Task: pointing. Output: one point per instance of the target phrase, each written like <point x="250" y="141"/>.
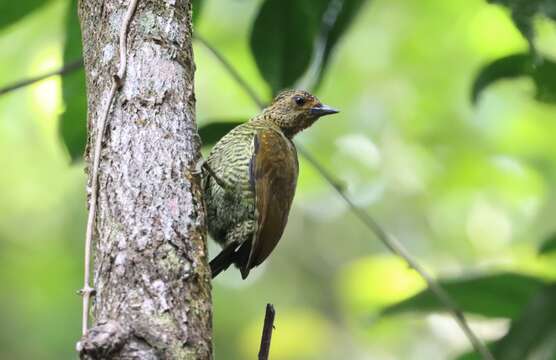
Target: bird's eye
<point x="299" y="100"/>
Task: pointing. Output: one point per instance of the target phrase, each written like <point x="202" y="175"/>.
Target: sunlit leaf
<point x="495" y="295"/>
<point x="73" y="122"/>
<point x="10" y="12"/>
<point x="376" y="294"/>
<point x="524" y="11"/>
<point x="214" y="131"/>
<point x="541" y="70"/>
<point x="548" y="245"/>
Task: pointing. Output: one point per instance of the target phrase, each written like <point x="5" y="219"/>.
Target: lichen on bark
<point x="151" y="276"/>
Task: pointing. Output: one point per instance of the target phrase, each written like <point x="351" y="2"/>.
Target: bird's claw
<point x="199" y="167"/>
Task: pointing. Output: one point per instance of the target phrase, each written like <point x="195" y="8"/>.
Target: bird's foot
<point x="199" y="166"/>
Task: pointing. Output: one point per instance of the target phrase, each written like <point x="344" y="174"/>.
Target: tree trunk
<point x="151" y="275"/>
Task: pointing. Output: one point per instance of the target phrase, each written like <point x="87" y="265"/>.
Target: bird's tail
<point x="223" y="260"/>
<point x="233" y="253"/>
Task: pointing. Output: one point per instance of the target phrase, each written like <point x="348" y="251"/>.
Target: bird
<point x="250" y="177"/>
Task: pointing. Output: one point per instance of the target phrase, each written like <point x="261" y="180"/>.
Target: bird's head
<point x="295" y="110"/>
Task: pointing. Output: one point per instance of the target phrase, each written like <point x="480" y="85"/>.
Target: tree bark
<point x="151" y="275"/>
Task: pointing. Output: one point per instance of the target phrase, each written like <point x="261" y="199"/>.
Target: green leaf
<point x="472" y="355"/>
<point x="532" y="336"/>
<point x="541" y="70"/>
<point x="73" y="122"/>
<point x="197" y="6"/>
<point x="13" y="11"/>
<point x="288" y="33"/>
<point x="544" y="76"/>
<point x="524" y="11"/>
<point x="508" y="67"/>
<point x="214" y="131"/>
<point x="493" y="295"/>
<point x="282" y="40"/>
<point x="336" y="20"/>
<point x="549" y="245"/>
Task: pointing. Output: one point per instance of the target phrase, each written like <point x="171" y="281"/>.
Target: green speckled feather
<point x="256" y="169"/>
<point x="233" y="216"/>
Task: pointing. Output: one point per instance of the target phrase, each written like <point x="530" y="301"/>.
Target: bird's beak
<point x="321" y="110"/>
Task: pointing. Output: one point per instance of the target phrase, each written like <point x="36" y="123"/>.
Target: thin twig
<point x="116" y="84"/>
<point x="67" y="68"/>
<point x="231" y="70"/>
<point x="396" y="247"/>
<point x="267" y="332"/>
<point x="389" y="241"/>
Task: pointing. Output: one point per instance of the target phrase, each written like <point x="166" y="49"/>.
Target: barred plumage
<point x="251" y="180"/>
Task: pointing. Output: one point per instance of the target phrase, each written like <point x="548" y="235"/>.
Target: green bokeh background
<point x="467" y="189"/>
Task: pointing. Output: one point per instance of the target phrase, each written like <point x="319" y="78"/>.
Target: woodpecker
<point x="250" y="180"/>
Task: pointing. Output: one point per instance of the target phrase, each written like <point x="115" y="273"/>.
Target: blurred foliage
<point x="524" y="11"/>
<point x="307" y="28"/>
<point x="541" y="71"/>
<point x="282" y="40"/>
<point x="11" y="13"/>
<point x="492" y="295"/>
<point x="549" y="245"/>
<point x="363" y="290"/>
<point x="531" y="336"/>
<point x="73" y="121"/>
<point x="197" y="7"/>
<point x="467" y="186"/>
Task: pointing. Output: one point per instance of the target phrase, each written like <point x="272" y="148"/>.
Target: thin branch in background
<point x="397" y="248"/>
<point x="116" y="84"/>
<point x="389" y="241"/>
<point x="267" y="332"/>
<point x="67" y="68"/>
<point x="232" y="71"/>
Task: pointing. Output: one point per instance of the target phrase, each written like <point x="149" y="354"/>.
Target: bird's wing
<point x="273" y="174"/>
